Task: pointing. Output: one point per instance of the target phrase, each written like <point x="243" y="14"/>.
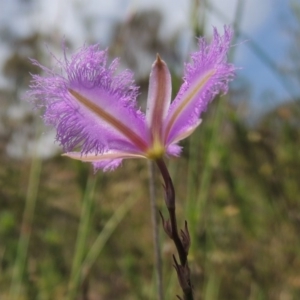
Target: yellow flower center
<point x="156" y="151"/>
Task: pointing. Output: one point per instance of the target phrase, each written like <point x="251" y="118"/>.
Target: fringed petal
<point x="207" y="75"/>
<point x="77" y="124"/>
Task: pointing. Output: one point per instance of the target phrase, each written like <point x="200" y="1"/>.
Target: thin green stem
<point x="155" y="231"/>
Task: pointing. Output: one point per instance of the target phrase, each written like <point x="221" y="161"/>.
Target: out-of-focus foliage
<point x="238" y="186"/>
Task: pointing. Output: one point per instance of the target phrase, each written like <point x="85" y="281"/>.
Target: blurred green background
<point x="66" y="233"/>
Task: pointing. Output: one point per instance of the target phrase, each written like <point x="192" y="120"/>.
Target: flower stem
<point x="182" y="241"/>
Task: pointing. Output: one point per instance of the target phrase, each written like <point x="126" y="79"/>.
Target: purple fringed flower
<point x="94" y="109"/>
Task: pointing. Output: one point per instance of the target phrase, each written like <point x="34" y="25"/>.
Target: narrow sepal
<point x="107" y="161"/>
<point x="159" y="98"/>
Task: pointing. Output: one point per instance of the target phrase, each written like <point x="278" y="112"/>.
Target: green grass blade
<point x="80" y="248"/>
<point x="212" y="287"/>
<point x="104" y="235"/>
<point x="26" y="228"/>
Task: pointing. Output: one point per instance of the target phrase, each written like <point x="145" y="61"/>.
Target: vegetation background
<point x="66" y="233"/>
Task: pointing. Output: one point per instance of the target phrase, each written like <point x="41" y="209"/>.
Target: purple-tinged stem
<point x="181" y="242"/>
